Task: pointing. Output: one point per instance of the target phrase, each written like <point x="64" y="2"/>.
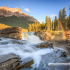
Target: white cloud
<point x="32" y="12"/>
<point x="26" y="9"/>
<point x="52" y="15"/>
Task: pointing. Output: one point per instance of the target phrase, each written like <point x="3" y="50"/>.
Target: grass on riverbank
<point x="3" y="26"/>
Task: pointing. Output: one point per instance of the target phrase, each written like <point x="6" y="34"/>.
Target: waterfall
<point x="29" y="36"/>
<point x="28" y="49"/>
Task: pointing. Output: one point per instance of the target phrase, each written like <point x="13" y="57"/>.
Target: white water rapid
<point x="28" y="49"/>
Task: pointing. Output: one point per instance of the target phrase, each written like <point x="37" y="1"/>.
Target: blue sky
<point x="38" y="8"/>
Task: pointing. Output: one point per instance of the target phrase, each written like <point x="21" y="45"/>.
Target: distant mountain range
<point x="15" y="17"/>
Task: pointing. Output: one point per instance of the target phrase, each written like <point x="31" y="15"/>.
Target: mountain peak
<point x="9" y="12"/>
<point x="13" y="10"/>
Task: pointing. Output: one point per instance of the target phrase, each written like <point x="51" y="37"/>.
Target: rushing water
<point x="29" y="36"/>
<point x="28" y="49"/>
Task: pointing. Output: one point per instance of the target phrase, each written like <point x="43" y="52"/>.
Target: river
<point x="28" y="49"/>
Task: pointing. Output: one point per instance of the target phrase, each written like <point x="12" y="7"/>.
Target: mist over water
<point x="28" y="49"/>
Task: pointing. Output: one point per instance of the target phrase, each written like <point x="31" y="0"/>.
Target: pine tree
<point x="42" y="26"/>
<point x="55" y="23"/>
<point x="52" y="25"/>
<point x="68" y="23"/>
<point x="60" y="15"/>
<point x="46" y="22"/>
<point x="64" y="18"/>
<point x="49" y="24"/>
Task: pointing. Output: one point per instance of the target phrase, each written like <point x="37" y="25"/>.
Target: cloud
<point x="26" y="9"/>
<point x="32" y="12"/>
<point x="52" y="15"/>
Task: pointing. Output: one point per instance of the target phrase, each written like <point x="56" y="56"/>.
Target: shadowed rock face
<point x="12" y="32"/>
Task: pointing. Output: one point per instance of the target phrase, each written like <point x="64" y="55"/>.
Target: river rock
<point x="0" y="39"/>
<point x="55" y="57"/>
<point x="68" y="45"/>
<point x="25" y="63"/>
<point x="8" y="62"/>
<point x="6" y="41"/>
<point x="13" y="62"/>
<point x="11" y="32"/>
<point x="45" y="45"/>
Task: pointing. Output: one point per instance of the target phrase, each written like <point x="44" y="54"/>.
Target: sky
<point x="38" y="8"/>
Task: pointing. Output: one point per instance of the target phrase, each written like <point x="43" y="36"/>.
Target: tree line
<point x="53" y="25"/>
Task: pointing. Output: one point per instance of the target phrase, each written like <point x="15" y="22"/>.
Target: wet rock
<point x="68" y="47"/>
<point x="13" y="41"/>
<point x="13" y="62"/>
<point x="67" y="40"/>
<point x="62" y="53"/>
<point x="45" y="45"/>
<point x="11" y="32"/>
<point x="0" y="39"/>
<point x="8" y="62"/>
<point x="3" y="43"/>
<point x="17" y="42"/>
<point x="54" y="57"/>
<point x="25" y="63"/>
<point x="68" y="43"/>
<point x="21" y="42"/>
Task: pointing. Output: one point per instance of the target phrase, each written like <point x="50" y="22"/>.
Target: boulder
<point x="25" y="63"/>
<point x="67" y="40"/>
<point x="13" y="62"/>
<point x="45" y="45"/>
<point x="11" y="32"/>
<point x="8" y="62"/>
<point x="0" y="39"/>
<point x="68" y="45"/>
<point x="44" y="35"/>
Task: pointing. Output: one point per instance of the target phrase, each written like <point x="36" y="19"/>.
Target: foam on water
<point x="31" y="37"/>
<point x="25" y="51"/>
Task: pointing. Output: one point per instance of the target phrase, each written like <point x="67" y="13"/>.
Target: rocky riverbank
<point x="16" y="54"/>
<point x="44" y="35"/>
<point x="56" y="39"/>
